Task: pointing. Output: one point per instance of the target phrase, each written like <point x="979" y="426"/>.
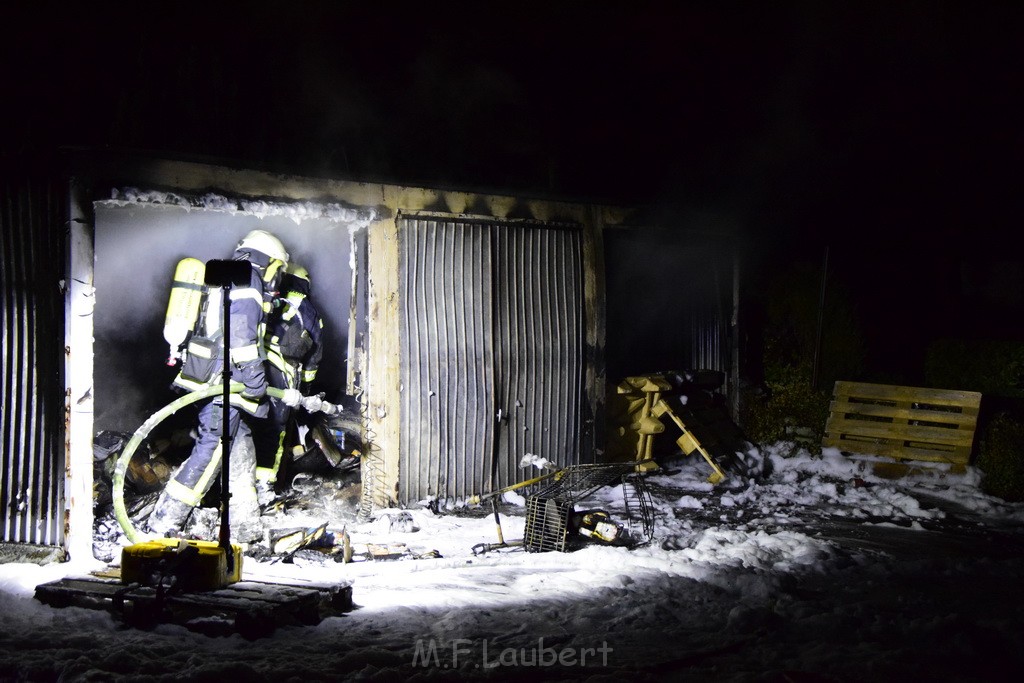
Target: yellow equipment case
<point x="195" y="565"/>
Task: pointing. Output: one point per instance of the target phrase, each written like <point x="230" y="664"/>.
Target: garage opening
<point x="138" y="244"/>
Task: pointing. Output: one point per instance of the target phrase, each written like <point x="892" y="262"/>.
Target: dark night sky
<point x="806" y="113"/>
<point x="888" y="130"/>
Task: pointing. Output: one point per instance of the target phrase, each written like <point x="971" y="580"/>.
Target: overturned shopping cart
<point x="554" y="520"/>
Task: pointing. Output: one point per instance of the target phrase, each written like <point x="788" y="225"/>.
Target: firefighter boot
<point x="168" y="516"/>
<point x="244" y="507"/>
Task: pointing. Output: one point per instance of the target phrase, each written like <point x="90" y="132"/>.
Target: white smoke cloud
<point x="141" y="236"/>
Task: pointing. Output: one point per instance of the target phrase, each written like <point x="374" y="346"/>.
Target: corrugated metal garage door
<point x="32" y="258"/>
<point x="538" y="346"/>
<point x="448" y="394"/>
<point x="492" y="329"/>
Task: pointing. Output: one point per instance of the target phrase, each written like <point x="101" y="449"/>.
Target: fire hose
<point x="120" y="511"/>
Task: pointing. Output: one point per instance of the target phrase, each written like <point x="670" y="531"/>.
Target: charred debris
<point x="322" y="480"/>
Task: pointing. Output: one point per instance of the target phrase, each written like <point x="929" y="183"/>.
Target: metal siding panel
<point x="469" y="385"/>
<point x="541" y="375"/>
<point x="435" y="435"/>
<point x="515" y="375"/>
<point x="547" y="292"/>
<point x="439" y="404"/>
<point x="32" y="261"/>
<point x="481" y="366"/>
<point x="506" y="336"/>
<point x="571" y="310"/>
<point x="492" y="319"/>
<point x="523" y="298"/>
<point x="555" y="387"/>
<point x="435" y="443"/>
<point x="447" y="427"/>
<point x="485" y="367"/>
<point x="448" y="365"/>
<point x="52" y="260"/>
<point x="457" y="381"/>
<point x="704" y="313"/>
<point x="15" y="398"/>
<point x="408" y="333"/>
<point x="548" y="409"/>
<point x="575" y="341"/>
<point x="12" y="289"/>
<point x="510" y="328"/>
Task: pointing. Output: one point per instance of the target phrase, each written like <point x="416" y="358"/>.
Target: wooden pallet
<point x="251" y="608"/>
<point x="903" y="423"/>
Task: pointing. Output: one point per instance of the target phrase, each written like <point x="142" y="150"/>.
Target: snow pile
<point x="820" y="568"/>
<point x="297" y="211"/>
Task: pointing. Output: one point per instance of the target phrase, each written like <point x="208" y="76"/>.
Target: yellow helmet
<point x="298" y="271"/>
<point x="265" y="243"/>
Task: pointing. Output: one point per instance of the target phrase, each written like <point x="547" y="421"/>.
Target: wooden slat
<point x="899" y="453"/>
<point x="968" y="417"/>
<point x="903" y="423"/>
<point x="902" y="432"/>
<point x="913" y="394"/>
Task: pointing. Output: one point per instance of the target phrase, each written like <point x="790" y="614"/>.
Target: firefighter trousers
<point x="269" y="435"/>
<point x="197" y="474"/>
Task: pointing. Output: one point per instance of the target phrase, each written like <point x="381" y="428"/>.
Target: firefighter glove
<point x="312" y="403"/>
<point x="291" y="398"/>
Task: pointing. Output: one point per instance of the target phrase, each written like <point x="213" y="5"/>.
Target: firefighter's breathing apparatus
<point x="183" y="305"/>
<point x="188" y="298"/>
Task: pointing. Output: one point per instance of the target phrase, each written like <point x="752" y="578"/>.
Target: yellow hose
<point x="120" y="512"/>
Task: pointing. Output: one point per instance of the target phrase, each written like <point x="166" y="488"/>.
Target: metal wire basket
<point x="549" y="511"/>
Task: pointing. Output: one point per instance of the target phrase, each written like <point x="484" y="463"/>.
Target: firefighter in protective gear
<point x="202" y="366"/>
<point x="294" y="350"/>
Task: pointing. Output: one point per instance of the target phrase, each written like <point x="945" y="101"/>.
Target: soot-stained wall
<point x="137" y="249"/>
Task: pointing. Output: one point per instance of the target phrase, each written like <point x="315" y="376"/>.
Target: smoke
<point x="261" y="208"/>
<point x="668" y="301"/>
<point x="140" y="237"/>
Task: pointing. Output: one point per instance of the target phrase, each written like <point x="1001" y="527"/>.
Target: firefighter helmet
<point x="298" y="271"/>
<point x="265" y="243"/>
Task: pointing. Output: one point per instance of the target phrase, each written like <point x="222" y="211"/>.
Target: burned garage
<point x="461" y="332"/>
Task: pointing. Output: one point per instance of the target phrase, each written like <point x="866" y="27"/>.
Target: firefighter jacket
<point x="203" y="362"/>
<point x="295" y="334"/>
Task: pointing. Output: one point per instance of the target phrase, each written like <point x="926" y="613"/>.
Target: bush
<point x="995" y="368"/>
<point x="787" y="406"/>
<point x="1001" y="458"/>
<point x="787" y="409"/>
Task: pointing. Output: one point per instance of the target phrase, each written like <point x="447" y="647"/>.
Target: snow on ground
<point x="818" y="571"/>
